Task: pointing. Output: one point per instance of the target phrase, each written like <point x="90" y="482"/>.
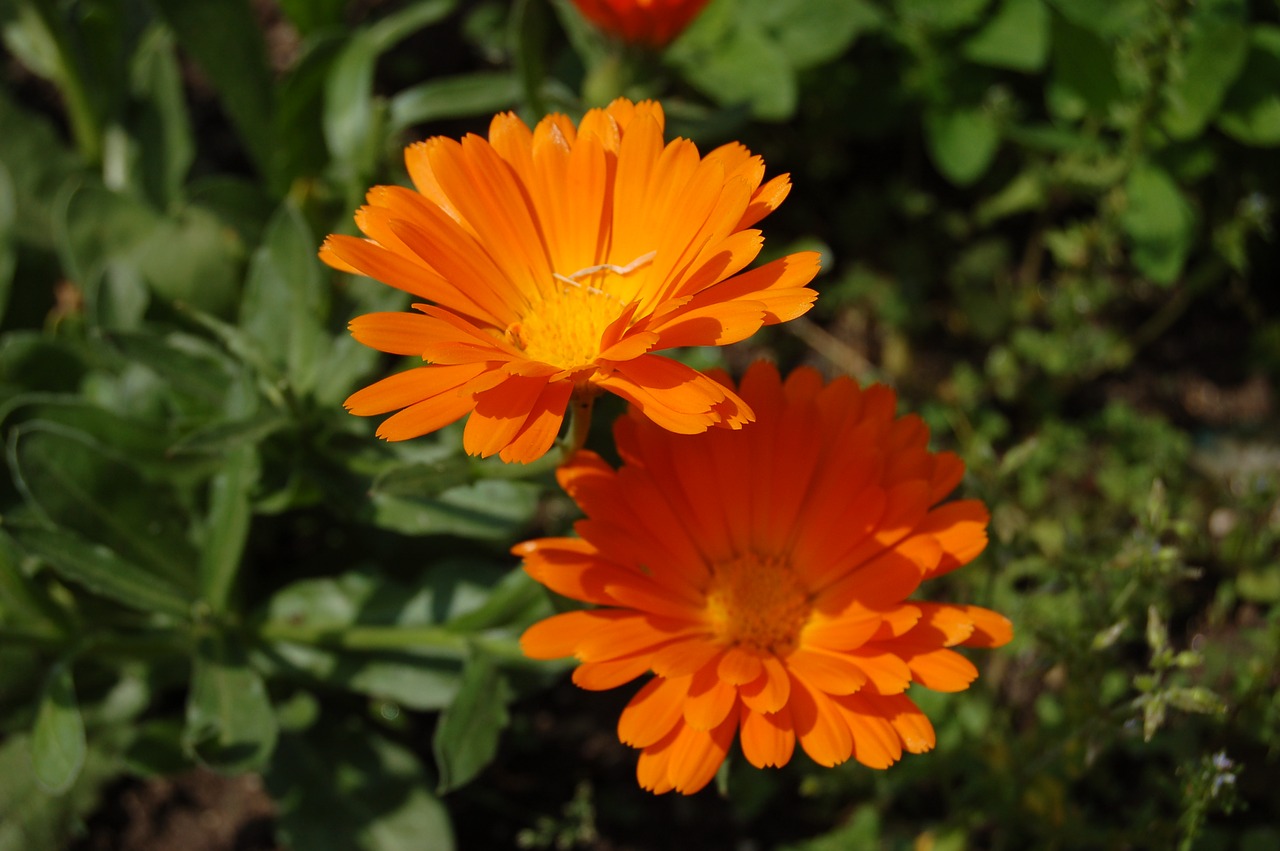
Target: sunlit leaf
<point x="466" y="738"/>
<point x="57" y="740"/>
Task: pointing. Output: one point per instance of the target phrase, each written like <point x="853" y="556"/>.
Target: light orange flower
<point x="557" y="261"/>
<point x="650" y="22"/>
<point x="763" y="576"/>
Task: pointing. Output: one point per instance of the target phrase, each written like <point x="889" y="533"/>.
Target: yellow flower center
<point x="564" y="328"/>
<point x="757" y="602"/>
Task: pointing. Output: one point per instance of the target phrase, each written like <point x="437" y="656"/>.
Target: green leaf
<point x="232" y="434"/>
<point x="226" y="42"/>
<point x="162" y="128"/>
<point x="21" y="599"/>
<point x="1106" y="17"/>
<point x="286" y="302"/>
<point x="352" y="125"/>
<point x="38" y="163"/>
<point x="466" y="738"/>
<point x="941" y="15"/>
<point x="8" y="235"/>
<point x="311" y="15"/>
<point x="347" y="788"/>
<point x="424" y="480"/>
<point x="193" y="258"/>
<point x="1084" y="79"/>
<point x="465" y="95"/>
<point x="230" y="722"/>
<point x="962" y="142"/>
<point x="79" y="486"/>
<point x="1016" y="37"/>
<point x="810" y="34"/>
<point x="34" y="819"/>
<point x="1217" y="47"/>
<point x="738" y="66"/>
<point x="1160" y="223"/>
<point x="1251" y="110"/>
<point x="101" y="571"/>
<point x="57" y="740"/>
<point x="486" y="510"/>
<point x="230" y="512"/>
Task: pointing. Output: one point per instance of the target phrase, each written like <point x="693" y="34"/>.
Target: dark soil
<point x="195" y="811"/>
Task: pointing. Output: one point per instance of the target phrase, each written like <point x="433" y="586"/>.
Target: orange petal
<point x="990" y="629"/>
<point x="415" y="385"/>
<point x="875" y="741"/>
<point x="710" y="698"/>
<point x="828" y="672"/>
<point x="696" y="755"/>
<point x="541" y="426"/>
<point x="914" y="730"/>
<point x="683" y="658"/>
<point x="767" y="739"/>
<point x="653" y="713"/>
<point x="961" y="529"/>
<point x="770" y="692"/>
<point x="823" y="732"/>
<point x="395" y="333"/>
<point x="559" y="635"/>
<point x="500" y="413"/>
<point x="886" y="672"/>
<point x="601" y="676"/>
<point x="739" y="666"/>
<point x="942" y="670"/>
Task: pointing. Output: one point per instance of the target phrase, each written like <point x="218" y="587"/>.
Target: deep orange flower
<point x="763" y="576"/>
<point x="649" y="22"/>
<point x="556" y="261"/>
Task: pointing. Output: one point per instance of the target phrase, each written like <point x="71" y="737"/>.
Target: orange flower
<point x="763" y="576"/>
<point x="650" y="22"/>
<point x="557" y="261"/>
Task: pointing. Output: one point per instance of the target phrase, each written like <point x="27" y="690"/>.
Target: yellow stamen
<point x="757" y="602"/>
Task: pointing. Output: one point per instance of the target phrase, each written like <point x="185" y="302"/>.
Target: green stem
<point x="150" y="644"/>
<point x="80" y="114"/>
<point x="527" y="37"/>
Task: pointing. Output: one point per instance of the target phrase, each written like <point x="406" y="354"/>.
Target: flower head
<point x="762" y="575"/>
<point x="553" y="263"/>
<point x="650" y="22"/>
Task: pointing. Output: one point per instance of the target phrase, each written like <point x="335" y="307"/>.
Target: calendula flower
<point x="649" y="22"/>
<point x="763" y="576"/>
<point x="553" y="263"/>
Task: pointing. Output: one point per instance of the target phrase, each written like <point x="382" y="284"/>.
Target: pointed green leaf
<point x="1160" y="223"/>
<point x="230" y="512"/>
<point x="80" y="486"/>
<point x="462" y="96"/>
<point x="230" y="721"/>
<point x="466" y="738"/>
<point x="161" y="126"/>
<point x="1016" y="37"/>
<point x="57" y="740"/>
<point x="962" y="142"/>
<point x="1216" y="49"/>
<point x="101" y="571"/>
<point x="1251" y="111"/>
<point x="226" y="42"/>
<point x="21" y="599"/>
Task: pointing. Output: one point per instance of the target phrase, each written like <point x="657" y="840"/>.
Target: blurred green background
<point x="231" y="618"/>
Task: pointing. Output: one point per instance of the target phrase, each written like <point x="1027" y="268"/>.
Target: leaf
<point x="57" y="740"/>
<point x="101" y="571"/>
<point x="285" y="301"/>
<point x="351" y="124"/>
<point x="230" y="512"/>
<point x="1217" y="47"/>
<point x="425" y="676"/>
<point x="1251" y="110"/>
<point x="8" y="235"/>
<point x="962" y="142"/>
<point x="161" y="125"/>
<point x="810" y="34"/>
<point x="311" y="15"/>
<point x="424" y="480"/>
<point x="1105" y="17"/>
<point x="38" y="163"/>
<point x="226" y="42"/>
<point x="81" y="487"/>
<point x="1160" y="223"/>
<point x="486" y="510"/>
<point x="466" y="738"/>
<point x="34" y="819"/>
<point x="1016" y="37"/>
<point x="193" y="258"/>
<point x="348" y="788"/>
<point x="230" y="722"/>
<point x="738" y="66"/>
<point x="461" y="96"/>
<point x="940" y="15"/>
<point x="22" y="600"/>
<point x="1083" y="80"/>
